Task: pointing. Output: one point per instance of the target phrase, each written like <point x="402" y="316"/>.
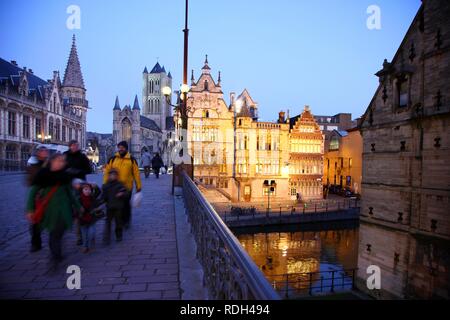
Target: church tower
<point x="74" y="92"/>
<point x="154" y="105"/>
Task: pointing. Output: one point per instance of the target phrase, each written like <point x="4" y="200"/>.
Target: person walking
<point x="113" y="194"/>
<point x="146" y="161"/>
<point x="157" y="163"/>
<point x="50" y="202"/>
<point x="40" y="162"/>
<point x="89" y="200"/>
<point x="128" y="171"/>
<point x="78" y="165"/>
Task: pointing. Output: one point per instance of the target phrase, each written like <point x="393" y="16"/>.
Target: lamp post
<point x="270" y="188"/>
<point x="182" y="108"/>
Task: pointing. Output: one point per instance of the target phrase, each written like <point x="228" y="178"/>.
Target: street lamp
<point x="270" y="186"/>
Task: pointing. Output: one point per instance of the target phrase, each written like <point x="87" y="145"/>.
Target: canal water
<point x="299" y="263"/>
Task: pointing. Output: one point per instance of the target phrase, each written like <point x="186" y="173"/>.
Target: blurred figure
<point x="50" y="203"/>
<point x="157" y="163"/>
<point x="146" y="161"/>
<point x="76" y="185"/>
<point x="78" y="165"/>
<point x="88" y="197"/>
<point x="128" y="174"/>
<point x="41" y="161"/>
<point x="114" y="194"/>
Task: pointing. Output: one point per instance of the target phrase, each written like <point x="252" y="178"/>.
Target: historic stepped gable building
<point x="405" y="213"/>
<point x="33" y="110"/>
<point x="151" y="128"/>
<point x="244" y="158"/>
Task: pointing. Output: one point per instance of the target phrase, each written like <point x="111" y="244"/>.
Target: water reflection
<point x="298" y="254"/>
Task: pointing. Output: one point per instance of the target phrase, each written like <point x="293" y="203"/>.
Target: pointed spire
<point x="145" y="70"/>
<point x="219" y="79"/>
<point x="157" y="68"/>
<point x="169" y="75"/>
<point x="136" y="103"/>
<point x="163" y="69"/>
<point x="73" y="76"/>
<point x="192" y="77"/>
<point x="206" y="67"/>
<point x="117" y="104"/>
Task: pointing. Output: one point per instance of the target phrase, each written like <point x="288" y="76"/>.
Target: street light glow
<point x="185" y="88"/>
<point x="166" y="91"/>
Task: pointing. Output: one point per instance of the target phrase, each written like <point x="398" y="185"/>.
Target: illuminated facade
<point x="343" y="160"/>
<point x="246" y="159"/>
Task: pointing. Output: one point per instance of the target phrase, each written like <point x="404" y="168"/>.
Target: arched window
<point x="126" y="130"/>
<point x="206" y="85"/>
<point x="50" y="127"/>
<point x="58" y="130"/>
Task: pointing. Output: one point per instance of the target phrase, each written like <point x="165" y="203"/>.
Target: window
<point x="25" y="153"/>
<point x="402" y="91"/>
<point x="26" y="127"/>
<point x="11" y="152"/>
<point x="11" y="123"/>
<point x="50" y="127"/>
<point x="63" y="130"/>
<point x="206" y="85"/>
<point x="38" y="127"/>
<point x="70" y="133"/>
<point x="334" y="143"/>
<point x="350" y="163"/>
<point x="57" y="131"/>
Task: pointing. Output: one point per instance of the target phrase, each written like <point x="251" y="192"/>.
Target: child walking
<point x="88" y="218"/>
<point x="114" y="194"/>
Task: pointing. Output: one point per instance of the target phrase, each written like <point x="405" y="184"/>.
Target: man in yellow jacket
<point x="128" y="169"/>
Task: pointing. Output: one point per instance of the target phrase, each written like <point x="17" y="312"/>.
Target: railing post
<point x="321" y="283"/>
<point x="353" y="280"/>
<point x="315" y="207"/>
<point x="310" y="283"/>
<point x="332" y="281"/>
<point x="287" y="286"/>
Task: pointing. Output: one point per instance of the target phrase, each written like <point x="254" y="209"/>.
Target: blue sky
<point x="287" y="53"/>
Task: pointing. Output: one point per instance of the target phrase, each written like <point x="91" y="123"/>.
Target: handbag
<point x="41" y="204"/>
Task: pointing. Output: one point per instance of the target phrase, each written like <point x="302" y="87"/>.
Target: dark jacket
<point x="33" y="169"/>
<point x="157" y="162"/>
<point x="78" y="165"/>
<point x="110" y="191"/>
<point x="90" y="207"/>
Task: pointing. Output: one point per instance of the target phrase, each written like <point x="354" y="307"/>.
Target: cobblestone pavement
<point x="143" y="266"/>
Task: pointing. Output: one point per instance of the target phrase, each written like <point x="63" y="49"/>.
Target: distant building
<point x="99" y="146"/>
<point x="248" y="160"/>
<point x="151" y="128"/>
<point x="339" y="122"/>
<point x="33" y="110"/>
<point x="343" y="160"/>
<point x="405" y="220"/>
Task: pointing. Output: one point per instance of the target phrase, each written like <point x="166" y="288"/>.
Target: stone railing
<point x="229" y="272"/>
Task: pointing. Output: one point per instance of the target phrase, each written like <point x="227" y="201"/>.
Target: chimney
<point x="30" y="71"/>
<point x="232" y="94"/>
<point x="14" y="62"/>
<point x="281" y="117"/>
